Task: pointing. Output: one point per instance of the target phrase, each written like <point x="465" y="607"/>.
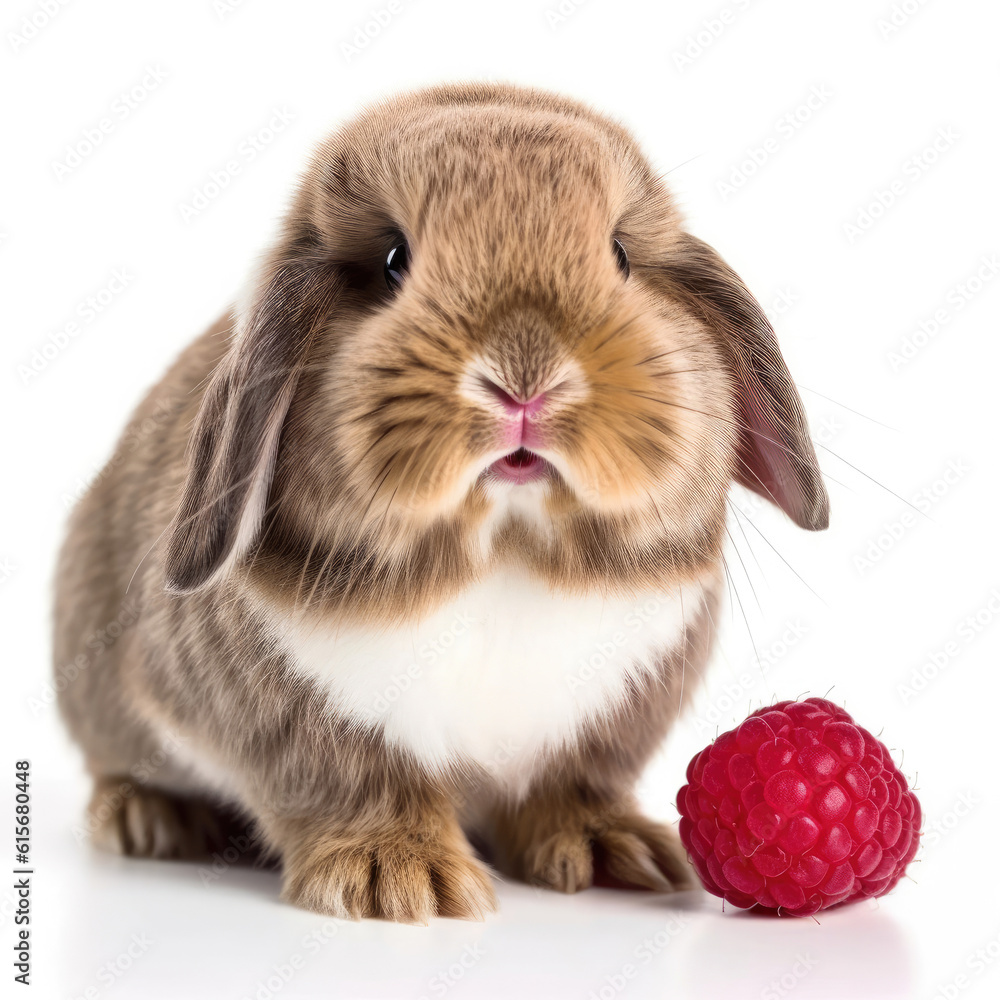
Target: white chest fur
<point x="506" y="671"/>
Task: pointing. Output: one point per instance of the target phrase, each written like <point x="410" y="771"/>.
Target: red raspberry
<point x="798" y="809"/>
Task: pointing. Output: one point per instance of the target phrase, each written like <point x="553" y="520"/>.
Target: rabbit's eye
<point x="621" y="257"/>
<point x="396" y="265"/>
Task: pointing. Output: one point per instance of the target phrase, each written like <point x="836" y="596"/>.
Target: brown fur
<point x="316" y="464"/>
<point x="128" y="818"/>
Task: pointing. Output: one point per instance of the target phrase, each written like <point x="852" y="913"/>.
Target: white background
<point x="865" y="621"/>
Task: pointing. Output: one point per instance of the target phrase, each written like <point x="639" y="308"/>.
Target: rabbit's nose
<point x="515" y="405"/>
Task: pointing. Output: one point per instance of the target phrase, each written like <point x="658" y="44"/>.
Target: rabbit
<point x="423" y="538"/>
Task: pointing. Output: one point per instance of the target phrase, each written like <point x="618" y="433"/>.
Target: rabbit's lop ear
<point x="775" y="456"/>
<point x="233" y="447"/>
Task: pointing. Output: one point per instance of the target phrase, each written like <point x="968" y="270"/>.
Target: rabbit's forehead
<point x="477" y="140"/>
<point x="463" y="168"/>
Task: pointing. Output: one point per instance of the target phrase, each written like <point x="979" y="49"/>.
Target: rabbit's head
<point x="484" y="336"/>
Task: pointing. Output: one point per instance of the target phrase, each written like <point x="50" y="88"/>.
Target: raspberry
<point x="796" y="810"/>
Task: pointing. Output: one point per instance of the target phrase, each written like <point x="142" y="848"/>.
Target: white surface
<point x="219" y="932"/>
<point x="237" y="101"/>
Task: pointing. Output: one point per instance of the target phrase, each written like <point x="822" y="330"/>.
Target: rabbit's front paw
<point x="407" y="877"/>
<point x="570" y="846"/>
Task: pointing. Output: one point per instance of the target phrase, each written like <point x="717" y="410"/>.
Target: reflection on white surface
<point x="857" y="951"/>
<point x="181" y="930"/>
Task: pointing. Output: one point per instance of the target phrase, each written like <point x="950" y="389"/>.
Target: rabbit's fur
<point x="312" y="512"/>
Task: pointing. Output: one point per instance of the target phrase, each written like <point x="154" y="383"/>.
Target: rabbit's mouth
<point x="521" y="466"/>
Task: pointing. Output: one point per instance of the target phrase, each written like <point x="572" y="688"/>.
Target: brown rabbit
<point x="426" y="538"/>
